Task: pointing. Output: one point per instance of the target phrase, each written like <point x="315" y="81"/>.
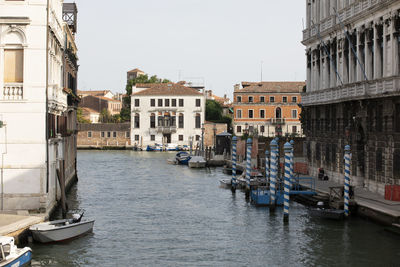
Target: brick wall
<point x="90" y="135"/>
<point x="209" y="132"/>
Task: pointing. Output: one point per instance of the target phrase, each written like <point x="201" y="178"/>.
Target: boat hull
<point x="197" y="164"/>
<point x="332" y="214"/>
<point x="23" y="259"/>
<point x="63" y="233"/>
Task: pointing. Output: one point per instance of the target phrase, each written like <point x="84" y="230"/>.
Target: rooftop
<point x="167" y="89"/>
<point x="272" y="87"/>
<point x="135" y="70"/>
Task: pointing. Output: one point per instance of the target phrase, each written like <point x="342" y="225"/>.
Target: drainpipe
<point x="47" y="97"/>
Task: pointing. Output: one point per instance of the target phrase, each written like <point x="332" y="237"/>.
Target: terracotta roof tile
<point x="168" y="89"/>
<point x="135" y="70"/>
<point x="94" y="93"/>
<point x="273" y="87"/>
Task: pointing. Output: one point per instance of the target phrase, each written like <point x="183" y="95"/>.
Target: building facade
<point x="100" y="103"/>
<point x="269" y="108"/>
<point x="166" y="113"/>
<point x="104" y="135"/>
<point x="353" y="89"/>
<point x="34" y="104"/>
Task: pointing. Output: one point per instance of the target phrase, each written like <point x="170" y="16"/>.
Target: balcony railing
<point x="353" y="91"/>
<point x="13" y="91"/>
<point x="278" y="121"/>
<point x="166" y="129"/>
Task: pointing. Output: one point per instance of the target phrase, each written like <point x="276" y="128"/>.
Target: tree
<point x="125" y="114"/>
<point x="80" y="118"/>
<point x="214" y="113"/>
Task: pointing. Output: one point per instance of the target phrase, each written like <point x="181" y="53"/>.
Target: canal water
<point x="150" y="213"/>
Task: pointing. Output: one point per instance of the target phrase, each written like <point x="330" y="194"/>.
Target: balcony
<point x="13" y="91"/>
<point x="277" y="121"/>
<point x="354" y="91"/>
<point x="166" y="129"/>
<point x="57" y="98"/>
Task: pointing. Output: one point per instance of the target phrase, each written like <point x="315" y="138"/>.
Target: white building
<point x="352" y="95"/>
<point x="33" y="103"/>
<point x="166" y="113"/>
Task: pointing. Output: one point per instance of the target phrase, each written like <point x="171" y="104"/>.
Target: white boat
<point x="171" y="147"/>
<point x="10" y="255"/>
<point x="60" y="230"/>
<point x="197" y="162"/>
<point x="225" y="183"/>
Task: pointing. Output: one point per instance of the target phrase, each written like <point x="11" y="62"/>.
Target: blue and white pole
<point x="288" y="153"/>
<point x="234" y="161"/>
<point x="248" y="166"/>
<point x="346" y="179"/>
<point x="273" y="173"/>
<point x="267" y="165"/>
<point x="291" y="163"/>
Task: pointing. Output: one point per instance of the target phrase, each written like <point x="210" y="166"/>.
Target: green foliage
<point x="125" y="114"/>
<point x="79" y="116"/>
<point x="213" y="111"/>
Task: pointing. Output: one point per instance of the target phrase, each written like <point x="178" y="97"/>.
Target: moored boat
<point x="11" y="255"/>
<point x="197" y="162"/>
<point x="326" y="213"/>
<point x="60" y="230"/>
<point x="183" y="158"/>
<point x="225" y="183"/>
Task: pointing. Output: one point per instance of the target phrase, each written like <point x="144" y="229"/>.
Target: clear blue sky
<point x="222" y="41"/>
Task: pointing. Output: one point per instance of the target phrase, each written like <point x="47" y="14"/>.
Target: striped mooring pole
<point x="267" y="165"/>
<point x="291" y="163"/>
<point x="346" y="179"/>
<point x="288" y="158"/>
<point x="234" y="160"/>
<point x="248" y="166"/>
<point x="273" y="173"/>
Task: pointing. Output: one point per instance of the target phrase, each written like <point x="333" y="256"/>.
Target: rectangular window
<point x="198" y="102"/>
<point x="160" y="102"/>
<point x="251" y="113"/>
<point x="174" y="102"/>
<point x="13" y="66"/>
<point x="239" y="99"/>
<point x="294" y="99"/>
<point x="166" y="102"/>
<point x="136" y="137"/>
<point x="103" y="134"/>
<point x="197" y="137"/>
<point x="272" y="99"/>
<point x="294" y="113"/>
<point x="262" y="113"/>
<point x="152" y="121"/>
<point x="294" y="129"/>
<point x="262" y="99"/>
<point x="180" y="137"/>
<point x="262" y="128"/>
<point x="89" y="134"/>
<point x="284" y="99"/>
<point x="152" y="102"/>
<point x="136" y="102"/>
<point x="127" y="134"/>
<point x="181" y="102"/>
<point x="251" y="100"/>
<point x="137" y="121"/>
<point x="152" y="137"/>
<point x="239" y="114"/>
<point x="180" y="121"/>
<point x="108" y="134"/>
<point x="114" y="134"/>
<point x="239" y="129"/>
<point x="198" y="122"/>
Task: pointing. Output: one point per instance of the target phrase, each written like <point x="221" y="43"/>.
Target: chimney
<point x="236" y="87"/>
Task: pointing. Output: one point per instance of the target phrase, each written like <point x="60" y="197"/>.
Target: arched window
<point x="278" y="113"/>
<point x="153" y="120"/>
<point x="180" y="120"/>
<point x="198" y="121"/>
<point x="137" y="120"/>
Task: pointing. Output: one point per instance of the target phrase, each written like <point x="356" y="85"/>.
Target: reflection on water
<point x="150" y="213"/>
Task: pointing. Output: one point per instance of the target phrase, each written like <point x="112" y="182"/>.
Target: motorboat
<point x="197" y="162"/>
<point x="61" y="230"/>
<point x="225" y="183"/>
<point x="183" y="158"/>
<point x="172" y="147"/>
<point x="326" y="213"/>
<point x="11" y="255"/>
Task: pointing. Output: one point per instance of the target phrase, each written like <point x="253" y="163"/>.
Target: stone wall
<point x="209" y="132"/>
<point x="101" y="135"/>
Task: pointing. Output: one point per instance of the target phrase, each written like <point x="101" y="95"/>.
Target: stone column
<point x="352" y="62"/>
<point x="377" y="65"/>
<point x="386" y="45"/>
<point x="333" y="76"/>
<point x="368" y="56"/>
<point x="326" y="71"/>
<point x="359" y="70"/>
<point x="395" y="50"/>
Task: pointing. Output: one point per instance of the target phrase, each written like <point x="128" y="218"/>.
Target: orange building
<point x="270" y="108"/>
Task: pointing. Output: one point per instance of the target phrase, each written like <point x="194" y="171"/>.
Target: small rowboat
<point x="10" y="255"/>
<point x="61" y="230"/>
<point x="333" y="214"/>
